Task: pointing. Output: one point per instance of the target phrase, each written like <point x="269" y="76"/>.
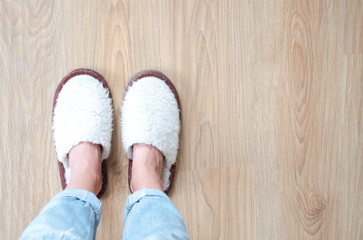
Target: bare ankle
<point x="87" y="181"/>
<point x="85" y="166"/>
<point x="146" y="168"/>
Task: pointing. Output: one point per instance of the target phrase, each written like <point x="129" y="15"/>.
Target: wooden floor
<point x="272" y="109"/>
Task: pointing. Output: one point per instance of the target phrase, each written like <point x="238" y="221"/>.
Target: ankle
<point x="85" y="166"/>
<point x="89" y="181"/>
<point x="143" y="178"/>
<point x="146" y="168"/>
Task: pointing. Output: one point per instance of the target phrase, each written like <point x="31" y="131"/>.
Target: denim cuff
<point x="83" y="195"/>
<point x="138" y="195"/>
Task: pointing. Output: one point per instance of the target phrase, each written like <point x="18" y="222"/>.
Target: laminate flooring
<point x="271" y="96"/>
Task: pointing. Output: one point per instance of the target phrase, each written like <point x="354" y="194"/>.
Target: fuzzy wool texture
<point x="83" y="113"/>
<point x="150" y="115"/>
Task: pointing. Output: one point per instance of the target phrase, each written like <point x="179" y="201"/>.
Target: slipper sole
<point x="100" y="78"/>
<point x="161" y="76"/>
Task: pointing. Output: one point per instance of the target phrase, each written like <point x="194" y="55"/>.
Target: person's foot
<point x="83" y="113"/>
<point x="151" y="115"/>
<point x="85" y="165"/>
<point x="147" y="166"/>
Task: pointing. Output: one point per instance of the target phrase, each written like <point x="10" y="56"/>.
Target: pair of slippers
<point x="83" y="112"/>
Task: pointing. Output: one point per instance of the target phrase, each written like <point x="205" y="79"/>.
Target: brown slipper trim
<point x="161" y="76"/>
<point x="99" y="77"/>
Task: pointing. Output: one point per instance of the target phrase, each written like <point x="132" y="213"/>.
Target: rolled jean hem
<point x="136" y="196"/>
<point x="150" y="214"/>
<point x="82" y="195"/>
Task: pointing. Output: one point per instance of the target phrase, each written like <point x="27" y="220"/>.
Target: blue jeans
<point x="75" y="214"/>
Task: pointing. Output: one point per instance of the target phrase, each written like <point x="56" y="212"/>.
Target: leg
<point x="150" y="135"/>
<point x="149" y="213"/>
<point x="75" y="212"/>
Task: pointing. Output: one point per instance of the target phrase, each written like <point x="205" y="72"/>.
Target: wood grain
<point x="272" y="115"/>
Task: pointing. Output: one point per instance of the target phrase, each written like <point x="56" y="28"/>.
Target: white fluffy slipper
<point x="150" y="115"/>
<point x="82" y="112"/>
